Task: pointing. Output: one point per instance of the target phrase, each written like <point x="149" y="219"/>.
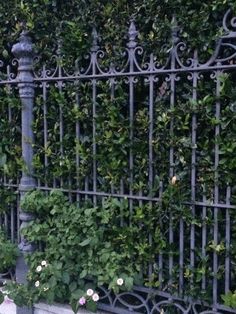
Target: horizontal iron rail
<point x="134" y="197"/>
<point x="104" y="75"/>
<point x="10" y="82"/>
<point x="134" y="73"/>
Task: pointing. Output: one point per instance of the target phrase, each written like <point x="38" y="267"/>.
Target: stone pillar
<point x="24" y="52"/>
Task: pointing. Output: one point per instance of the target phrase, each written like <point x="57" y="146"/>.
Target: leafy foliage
<point x="8" y="253"/>
<point x="230" y="299"/>
<point x="81" y="245"/>
<point x="1" y="297"/>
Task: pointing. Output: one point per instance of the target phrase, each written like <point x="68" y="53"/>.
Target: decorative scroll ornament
<point x="141" y="300"/>
<point x="177" y="56"/>
<point x="229" y="25"/>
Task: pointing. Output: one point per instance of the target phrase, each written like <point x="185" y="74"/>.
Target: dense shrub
<point x="197" y="19"/>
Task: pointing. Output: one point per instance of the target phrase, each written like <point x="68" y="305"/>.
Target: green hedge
<point x="197" y="19"/>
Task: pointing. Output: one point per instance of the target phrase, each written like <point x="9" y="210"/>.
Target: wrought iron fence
<point x="157" y="91"/>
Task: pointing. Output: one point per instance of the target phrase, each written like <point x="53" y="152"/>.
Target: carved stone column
<point x="24" y="52"/>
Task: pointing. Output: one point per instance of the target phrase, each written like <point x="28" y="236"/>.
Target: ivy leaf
<point x="66" y="278"/>
<point x="74" y="306"/>
<point x="3" y="160"/>
<point x="50" y="296"/>
<point x="58" y="265"/>
<point x="73" y="286"/>
<point x="85" y="242"/>
<point x="77" y="294"/>
<point x="129" y="282"/>
<point x="83" y="274"/>
<point x="91" y="306"/>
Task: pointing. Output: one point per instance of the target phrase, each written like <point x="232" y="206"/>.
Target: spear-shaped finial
<point x="59" y="47"/>
<point x="95" y="40"/>
<point x="132" y="33"/>
<point x="23" y="26"/>
<point x="174" y="30"/>
<point x="59" y="40"/>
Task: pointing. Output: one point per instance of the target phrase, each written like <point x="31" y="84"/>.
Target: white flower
<point x="173" y="180"/>
<point x="44" y="263"/>
<point x="89" y="292"/>
<point x="95" y="297"/>
<point x="36" y="284"/>
<point x="39" y="268"/>
<point x="45" y="288"/>
<point x="120" y="281"/>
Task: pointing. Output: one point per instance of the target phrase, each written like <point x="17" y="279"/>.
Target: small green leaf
<point x="83" y="274"/>
<point x="73" y="286"/>
<point x="1" y="297"/>
<point x="3" y="159"/>
<point x="58" y="265"/>
<point x="91" y="306"/>
<point x="85" y="242"/>
<point x="74" y="306"/>
<point x="77" y="294"/>
<point x="129" y="282"/>
<point x="66" y="278"/>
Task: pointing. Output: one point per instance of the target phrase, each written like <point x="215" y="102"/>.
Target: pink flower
<point x="82" y="301"/>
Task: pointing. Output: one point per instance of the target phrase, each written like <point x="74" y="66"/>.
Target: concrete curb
<point x="8" y="307"/>
<point x="43" y="308"/>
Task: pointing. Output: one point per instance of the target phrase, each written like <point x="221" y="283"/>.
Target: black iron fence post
<point x="24" y="52"/>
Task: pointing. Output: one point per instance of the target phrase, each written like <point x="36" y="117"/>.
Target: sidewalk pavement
<point x="7" y="307"/>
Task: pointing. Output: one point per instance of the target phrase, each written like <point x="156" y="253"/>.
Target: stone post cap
<point x="24" y="48"/>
